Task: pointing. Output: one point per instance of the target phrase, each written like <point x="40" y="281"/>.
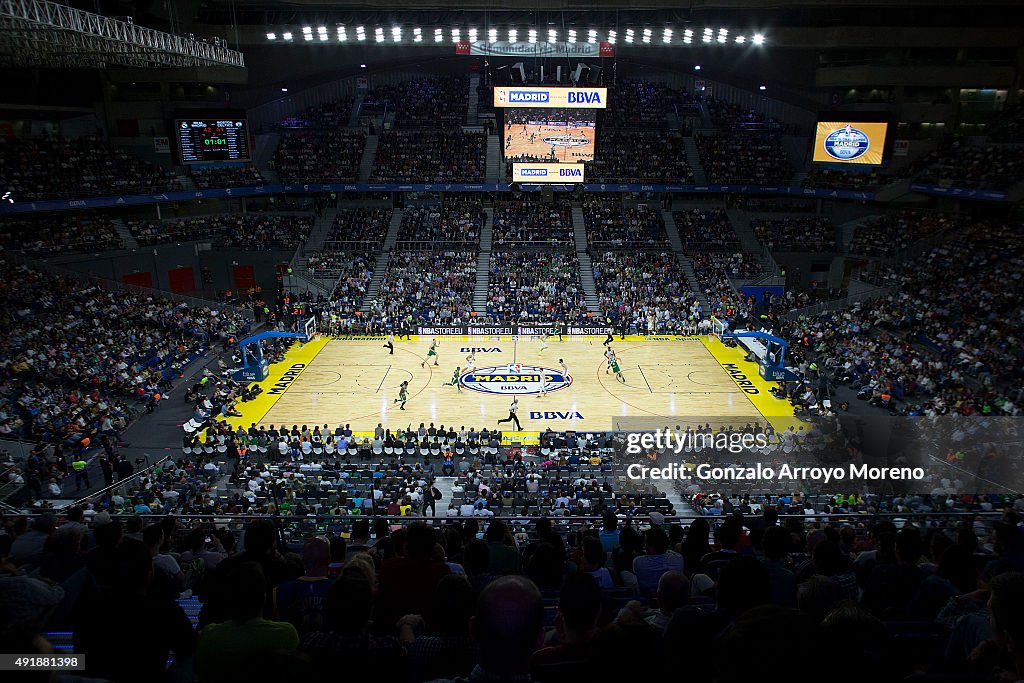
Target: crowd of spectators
<point x="988" y="167"/>
<point x="705" y="229"/>
<point x="363" y="226"/>
<point x="458" y="221"/>
<point x="433" y="287"/>
<point x="645" y="290"/>
<point x="640" y="157"/>
<point x="535" y="287"/>
<point x="52" y="167"/>
<point x="430" y="157"/>
<point x="894" y="231"/>
<point x="483" y="599"/>
<point x="435" y="102"/>
<point x="795" y="233"/>
<point x="74" y="354"/>
<point x="523" y="222"/>
<point x="328" y="116"/>
<point x="609" y="224"/>
<point x="639" y="104"/>
<point x="249" y="231"/>
<point x="835" y="179"/>
<point x="51" y="234"/>
<point x="228" y="176"/>
<point x="320" y="156"/>
<point x="352" y="270"/>
<point x="944" y="341"/>
<point x="733" y="117"/>
<point x="740" y="158"/>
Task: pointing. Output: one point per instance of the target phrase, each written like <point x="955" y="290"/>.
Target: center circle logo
<point x="846" y="144"/>
<point x="566" y="140"/>
<point x="515" y="380"/>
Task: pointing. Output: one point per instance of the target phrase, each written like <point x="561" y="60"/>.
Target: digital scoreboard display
<point x="205" y="140"/>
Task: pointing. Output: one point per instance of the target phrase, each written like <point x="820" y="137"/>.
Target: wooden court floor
<point x="685" y="381"/>
<point x="521" y="144"/>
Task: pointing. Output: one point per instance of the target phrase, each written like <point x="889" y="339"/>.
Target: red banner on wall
<point x="606" y="50"/>
<point x="462" y="47"/>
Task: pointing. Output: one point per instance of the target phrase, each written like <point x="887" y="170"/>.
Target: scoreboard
<point x="205" y="140"/>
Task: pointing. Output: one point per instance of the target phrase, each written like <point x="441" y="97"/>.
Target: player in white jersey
<point x="471" y="361"/>
<point x="608" y="355"/>
<point x="565" y="369"/>
<point x="544" y="340"/>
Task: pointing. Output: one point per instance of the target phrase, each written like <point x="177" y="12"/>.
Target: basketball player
<point x="471" y="361"/>
<point x="455" y="380"/>
<point x="608" y="355"/>
<point x="614" y="363"/>
<point x="512" y="408"/>
<point x="565" y="368"/>
<point x="544" y="340"/>
<point x="609" y="339"/>
<point x="432" y="351"/>
<point x="390" y="343"/>
<point x="508" y="142"/>
<point x="403" y="394"/>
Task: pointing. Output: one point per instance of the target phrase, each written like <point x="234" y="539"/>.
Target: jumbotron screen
<point x="567" y="135"/>
<point x="205" y="139"/>
<point x="850" y="142"/>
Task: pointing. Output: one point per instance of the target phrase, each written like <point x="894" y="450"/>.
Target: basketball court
<point x="570" y="143"/>
<point x="668" y="381"/>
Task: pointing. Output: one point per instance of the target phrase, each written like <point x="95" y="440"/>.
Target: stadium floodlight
<point x="666" y="36"/>
<point x="492" y="35"/>
<point x="307" y="32"/>
<point x="287" y="35"/>
<point x="613" y="36"/>
<point x="740" y="40"/>
<point x="708" y="35"/>
<point x="592" y="36"/>
<point x="456" y="35"/>
<point x="723" y="35"/>
<point x="696" y="67"/>
<point x="360" y="33"/>
<point x="438" y="35"/>
<point x="629" y="35"/>
<point x="321" y="29"/>
<point x="531" y="35"/>
<point x="762" y="87"/>
<point x="396" y="34"/>
<point x="323" y="37"/>
<point x="307" y="29"/>
<point x="271" y="35"/>
<point x="572" y="36"/>
<point x="378" y="34"/>
<point x="758" y="39"/>
<point x="472" y="35"/>
<point x="417" y="35"/>
<point x="552" y="35"/>
<point x="513" y="34"/>
<point x="362" y="66"/>
<point x="284" y="89"/>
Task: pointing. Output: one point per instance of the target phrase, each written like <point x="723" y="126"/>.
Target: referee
<point x="512" y="408"/>
<point x="390" y="343"/>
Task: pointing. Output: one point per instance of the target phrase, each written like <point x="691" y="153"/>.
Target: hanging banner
<point x="505" y="49"/>
<point x="543" y="173"/>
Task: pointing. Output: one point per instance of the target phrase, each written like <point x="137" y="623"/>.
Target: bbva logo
<point x="575" y="172"/>
<point x="555" y="415"/>
<point x="584" y="97"/>
<point x="480" y="349"/>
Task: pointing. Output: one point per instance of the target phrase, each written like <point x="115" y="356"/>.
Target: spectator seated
<point x="525" y="223"/>
<point x="455" y="222"/>
<point x="319" y="156"/>
<point x="741" y="158"/>
<point x="430" y="157"/>
<point x="611" y="225"/>
<point x="813" y="233"/>
<point x="535" y="287"/>
<point x="432" y="288"/>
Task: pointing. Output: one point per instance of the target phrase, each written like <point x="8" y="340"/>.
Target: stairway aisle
<point x="473" y="99"/>
<point x="373" y="287"/>
<point x="369" y="154"/>
<point x="693" y="160"/>
<point x="128" y="240"/>
<point x="495" y="167"/>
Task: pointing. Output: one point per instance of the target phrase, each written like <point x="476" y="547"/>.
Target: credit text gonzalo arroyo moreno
<point x="785" y="473"/>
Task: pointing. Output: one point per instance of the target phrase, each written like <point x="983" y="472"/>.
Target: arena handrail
<point x="117" y="484"/>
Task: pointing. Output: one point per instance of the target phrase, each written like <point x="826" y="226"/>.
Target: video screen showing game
<point x="550" y="134"/>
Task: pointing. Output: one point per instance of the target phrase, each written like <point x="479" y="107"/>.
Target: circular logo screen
<point x="515" y="379"/>
<point x="846" y="144"/>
